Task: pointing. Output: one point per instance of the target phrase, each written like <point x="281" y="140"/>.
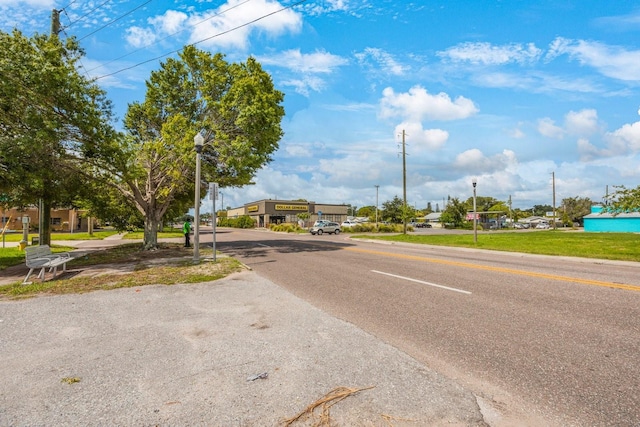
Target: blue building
<point x="603" y="222"/>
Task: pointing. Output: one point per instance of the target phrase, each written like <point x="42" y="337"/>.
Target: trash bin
<point x="35" y="241"/>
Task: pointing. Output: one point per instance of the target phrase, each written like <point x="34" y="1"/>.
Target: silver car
<point x="325" y="227"/>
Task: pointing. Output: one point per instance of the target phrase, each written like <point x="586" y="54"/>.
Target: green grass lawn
<point x="97" y="235"/>
<point x="13" y="256"/>
<point x="613" y="246"/>
<point x="144" y="269"/>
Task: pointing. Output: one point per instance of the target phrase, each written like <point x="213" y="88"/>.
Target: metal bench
<point x="41" y="257"/>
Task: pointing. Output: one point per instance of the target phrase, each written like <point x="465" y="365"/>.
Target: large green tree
<point x="573" y="209"/>
<point x="392" y="210"/>
<point x="51" y="117"/>
<point x="234" y="105"/>
<point x="455" y="213"/>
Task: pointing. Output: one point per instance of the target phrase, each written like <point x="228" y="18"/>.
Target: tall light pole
<point x="377" y="186"/>
<point x="198" y="141"/>
<point x="404" y="185"/>
<point x="475" y="215"/>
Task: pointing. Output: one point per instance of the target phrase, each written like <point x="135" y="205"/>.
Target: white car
<point x="349" y="223"/>
<point x="542" y="225"/>
<point x="325" y="227"/>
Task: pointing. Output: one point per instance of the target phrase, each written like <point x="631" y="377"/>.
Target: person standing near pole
<point x="186" y="229"/>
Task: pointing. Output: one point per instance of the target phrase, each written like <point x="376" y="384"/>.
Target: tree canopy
<point x="233" y="105"/>
<point x="455" y="213"/>
<point x="51" y="117"/>
<point x="623" y="199"/>
<point x="575" y="208"/>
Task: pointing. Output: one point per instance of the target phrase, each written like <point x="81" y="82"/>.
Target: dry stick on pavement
<point x="329" y="399"/>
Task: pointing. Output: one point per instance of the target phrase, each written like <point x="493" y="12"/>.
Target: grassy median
<point x="612" y="246"/>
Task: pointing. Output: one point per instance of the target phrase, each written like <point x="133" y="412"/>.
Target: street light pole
<point x="475" y="215"/>
<point x="198" y="141"/>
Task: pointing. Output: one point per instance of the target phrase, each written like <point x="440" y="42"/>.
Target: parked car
<point x="542" y="225"/>
<point x="420" y="224"/>
<point x="349" y="223"/>
<point x="325" y="227"/>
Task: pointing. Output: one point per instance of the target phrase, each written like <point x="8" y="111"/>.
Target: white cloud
<point x="611" y="61"/>
<point x="48" y="4"/>
<point x="629" y="135"/>
<point x="317" y="62"/>
<point x="169" y="23"/>
<point x="474" y="161"/>
<point x="548" y="128"/>
<point x="584" y="122"/>
<point x="305" y="85"/>
<point x="418" y="104"/>
<point x="422" y="139"/>
<point x="139" y="37"/>
<point x="517" y="133"/>
<point x="383" y="62"/>
<point x="231" y="24"/>
<point x="326" y="6"/>
<point x="488" y="54"/>
<point x="620" y="142"/>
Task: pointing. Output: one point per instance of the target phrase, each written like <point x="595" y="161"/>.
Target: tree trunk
<point x="151" y="232"/>
<point x="45" y="233"/>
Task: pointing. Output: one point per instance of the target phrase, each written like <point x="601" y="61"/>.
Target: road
<point x="550" y="337"/>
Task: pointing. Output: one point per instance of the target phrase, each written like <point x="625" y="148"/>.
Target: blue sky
<point x="507" y="92"/>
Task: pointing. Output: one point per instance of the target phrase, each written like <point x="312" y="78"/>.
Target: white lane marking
<point x="423" y="282"/>
<point x="263" y="245"/>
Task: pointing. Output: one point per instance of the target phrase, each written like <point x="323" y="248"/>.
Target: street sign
<point x="213" y="191"/>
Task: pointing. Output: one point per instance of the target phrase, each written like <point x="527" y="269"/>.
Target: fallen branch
<point x="326" y="402"/>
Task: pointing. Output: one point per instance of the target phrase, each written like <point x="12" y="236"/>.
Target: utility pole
<point x="404" y="184"/>
<point x="55" y="22"/>
<point x="553" y="183"/>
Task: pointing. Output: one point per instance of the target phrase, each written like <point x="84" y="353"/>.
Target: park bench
<point x="41" y="257"/>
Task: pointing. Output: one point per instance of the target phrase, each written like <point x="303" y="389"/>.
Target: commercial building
<point x="267" y="211"/>
<point x="69" y="220"/>
<point x="600" y="221"/>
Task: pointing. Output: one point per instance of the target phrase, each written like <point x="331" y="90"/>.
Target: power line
<point x="116" y="20"/>
<point x="86" y="14"/>
<point x="203" y="40"/>
<point x="164" y="38"/>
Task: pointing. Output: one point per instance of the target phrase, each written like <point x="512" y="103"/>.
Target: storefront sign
<point x="252" y="208"/>
<point x="292" y="207"/>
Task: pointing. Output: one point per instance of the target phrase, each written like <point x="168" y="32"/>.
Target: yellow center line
<point x="502" y="270"/>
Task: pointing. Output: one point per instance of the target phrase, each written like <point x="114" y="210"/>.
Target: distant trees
<point x="392" y="210"/>
<point x="455" y="213"/>
<point x="573" y="209"/>
<point x="367" y="211"/>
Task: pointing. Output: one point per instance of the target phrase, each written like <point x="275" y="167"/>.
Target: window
<point x="56" y="221"/>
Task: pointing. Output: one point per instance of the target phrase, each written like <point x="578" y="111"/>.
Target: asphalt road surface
<point x="555" y="337"/>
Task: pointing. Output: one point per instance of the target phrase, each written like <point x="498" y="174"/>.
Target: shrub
<point x="244" y="221"/>
<point x="286" y="228"/>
